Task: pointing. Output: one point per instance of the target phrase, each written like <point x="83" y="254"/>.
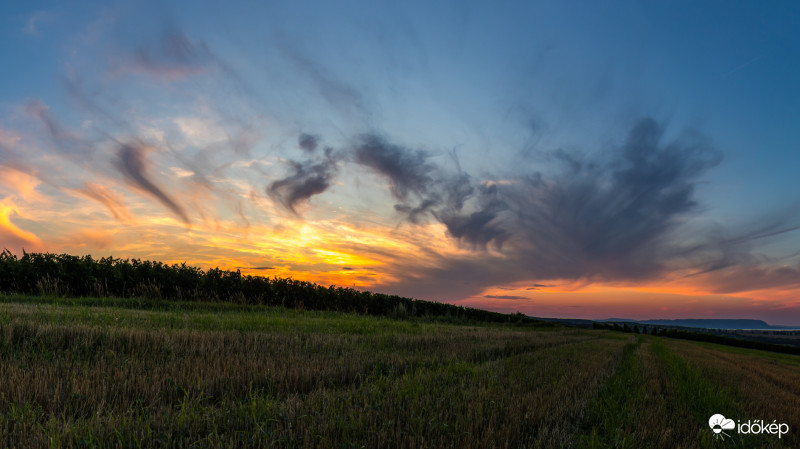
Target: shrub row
<point x="67" y="275"/>
<point x="700" y="336"/>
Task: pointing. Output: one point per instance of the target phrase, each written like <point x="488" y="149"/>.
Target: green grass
<point x="765" y="355"/>
<point x="612" y="415"/>
<point x="166" y="315"/>
<point x="80" y="372"/>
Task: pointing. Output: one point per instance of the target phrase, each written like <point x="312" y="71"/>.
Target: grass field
<point x="128" y="373"/>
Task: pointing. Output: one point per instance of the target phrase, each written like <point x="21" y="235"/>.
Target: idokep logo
<point x="719" y="424"/>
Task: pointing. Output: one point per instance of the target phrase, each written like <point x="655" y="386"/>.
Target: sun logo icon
<point x="719" y="424"/>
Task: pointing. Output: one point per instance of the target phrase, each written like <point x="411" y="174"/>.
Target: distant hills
<point x="705" y="323"/>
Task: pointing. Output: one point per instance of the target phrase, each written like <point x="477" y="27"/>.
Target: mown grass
<point x="80" y="373"/>
<point x="613" y="412"/>
<point x="657" y="396"/>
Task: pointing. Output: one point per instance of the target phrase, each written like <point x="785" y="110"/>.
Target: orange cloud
<point x="108" y="198"/>
<point x="11" y="236"/>
<point x="23" y="184"/>
<point x="87" y="239"/>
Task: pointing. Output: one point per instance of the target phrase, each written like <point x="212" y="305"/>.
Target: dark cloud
<point x="133" y="165"/>
<point x="480" y="227"/>
<point x="307" y="142"/>
<point x="423" y="187"/>
<point x="409" y="171"/>
<point x="307" y="179"/>
<point x="512" y="297"/>
<point x="538" y="286"/>
<point x="609" y="217"/>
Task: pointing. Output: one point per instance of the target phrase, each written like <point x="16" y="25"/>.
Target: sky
<point x="576" y="159"/>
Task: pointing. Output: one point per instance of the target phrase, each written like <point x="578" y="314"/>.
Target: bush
<point x="66" y="275"/>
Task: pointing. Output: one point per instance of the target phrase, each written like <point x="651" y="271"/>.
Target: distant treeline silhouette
<point x="698" y="336"/>
<point x="67" y="275"/>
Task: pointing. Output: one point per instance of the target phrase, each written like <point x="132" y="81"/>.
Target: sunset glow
<point x="559" y="160"/>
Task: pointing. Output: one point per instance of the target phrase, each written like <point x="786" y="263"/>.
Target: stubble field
<point x="122" y="373"/>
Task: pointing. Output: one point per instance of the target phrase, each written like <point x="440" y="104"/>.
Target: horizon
<point x="571" y="159"/>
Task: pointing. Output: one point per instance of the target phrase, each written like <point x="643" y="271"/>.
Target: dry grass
<point x="96" y="383"/>
<point x="78" y="376"/>
<point x="763" y="385"/>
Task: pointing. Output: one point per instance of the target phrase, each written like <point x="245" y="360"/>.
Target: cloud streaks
<point x="132" y="163"/>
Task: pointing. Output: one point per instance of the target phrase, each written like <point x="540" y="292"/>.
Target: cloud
<point x="750" y="277"/>
<point x="132" y="164"/>
<point x="68" y="143"/>
<point x="608" y="217"/>
<point x="206" y="142"/>
<point x="11" y="236"/>
<point x="8" y="139"/>
<point x="341" y="96"/>
<point x="408" y="171"/>
<point x="107" y="198"/>
<point x="425" y="188"/>
<point x="479" y="228"/>
<point x="23" y="184"/>
<point x="511" y="297"/>
<point x="174" y="57"/>
<point x="33" y="25"/>
<point x="92" y="239"/>
<point x="307" y="142"/>
<point x="307" y="179"/>
<point x="420" y="185"/>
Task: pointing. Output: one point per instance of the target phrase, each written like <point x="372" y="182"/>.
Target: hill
<point x="711" y="323"/>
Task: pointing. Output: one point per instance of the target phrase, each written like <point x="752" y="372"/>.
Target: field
<point x="126" y="373"/>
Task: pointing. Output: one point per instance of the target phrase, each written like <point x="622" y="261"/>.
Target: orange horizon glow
<point x="334" y="252"/>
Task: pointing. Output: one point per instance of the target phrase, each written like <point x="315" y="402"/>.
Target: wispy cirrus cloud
<point x="132" y="163"/>
<point x="36" y="20"/>
<point x="108" y="198"/>
<point x="172" y="57"/>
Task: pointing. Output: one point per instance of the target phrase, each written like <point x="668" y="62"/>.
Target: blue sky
<point x="560" y="151"/>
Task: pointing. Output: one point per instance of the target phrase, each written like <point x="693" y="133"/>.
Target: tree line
<point x="84" y="276"/>
<point x="698" y="336"/>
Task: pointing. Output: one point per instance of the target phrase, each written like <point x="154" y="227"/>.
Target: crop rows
<point x="81" y="376"/>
